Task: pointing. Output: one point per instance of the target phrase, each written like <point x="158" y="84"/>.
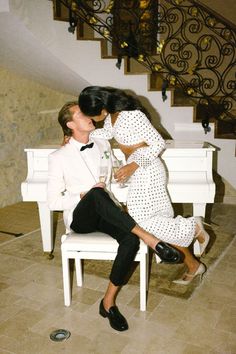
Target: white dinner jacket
<point x="69" y="175"/>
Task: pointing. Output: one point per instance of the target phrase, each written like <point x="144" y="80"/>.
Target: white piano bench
<point x="97" y="245"/>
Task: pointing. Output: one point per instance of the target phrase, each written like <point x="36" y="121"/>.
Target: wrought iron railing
<point x="190" y="46"/>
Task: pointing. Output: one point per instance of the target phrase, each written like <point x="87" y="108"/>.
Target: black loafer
<point x="116" y="319"/>
<point x="167" y="253"/>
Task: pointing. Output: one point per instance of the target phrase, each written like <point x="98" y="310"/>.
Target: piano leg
<point x="46" y="223"/>
<point x="199" y="209"/>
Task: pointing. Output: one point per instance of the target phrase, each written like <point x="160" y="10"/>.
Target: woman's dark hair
<point x="95" y="98"/>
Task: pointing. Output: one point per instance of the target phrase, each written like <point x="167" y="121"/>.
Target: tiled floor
<point x="31" y="302"/>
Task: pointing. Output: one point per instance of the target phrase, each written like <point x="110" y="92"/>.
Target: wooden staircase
<point x="224" y="129"/>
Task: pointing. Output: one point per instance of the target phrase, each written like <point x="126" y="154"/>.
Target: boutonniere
<point x="106" y="154"/>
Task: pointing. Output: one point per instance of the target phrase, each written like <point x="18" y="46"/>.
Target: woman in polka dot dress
<point x="147" y="201"/>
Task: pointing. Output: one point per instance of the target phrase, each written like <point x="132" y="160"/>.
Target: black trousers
<point x="97" y="212"/>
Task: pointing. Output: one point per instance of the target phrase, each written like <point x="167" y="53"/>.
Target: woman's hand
<point x="126" y="171"/>
<point x="99" y="185"/>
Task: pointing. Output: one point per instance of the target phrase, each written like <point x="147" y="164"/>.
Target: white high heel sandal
<point x="198" y="247"/>
<point x="200" y="271"/>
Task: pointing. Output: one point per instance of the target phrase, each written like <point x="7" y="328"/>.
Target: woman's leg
<point x="189" y="260"/>
<point x="97" y="204"/>
<point x="194" y="267"/>
<point x="147" y="195"/>
<point x="202" y="238"/>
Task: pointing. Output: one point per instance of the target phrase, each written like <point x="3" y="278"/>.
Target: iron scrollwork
<point x="179" y="39"/>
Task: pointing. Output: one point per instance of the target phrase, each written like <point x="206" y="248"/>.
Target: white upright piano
<point x="189" y="166"/>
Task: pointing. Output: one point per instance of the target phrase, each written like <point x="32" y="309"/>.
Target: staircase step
<point x="84" y="31"/>
<point x="155" y="81"/>
<point x="181" y="99"/>
<point x="225" y="129"/>
<point x="205" y="111"/>
<point x="133" y="67"/>
<point x="60" y="11"/>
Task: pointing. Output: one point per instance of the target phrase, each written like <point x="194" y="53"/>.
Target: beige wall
<point x="28" y="116"/>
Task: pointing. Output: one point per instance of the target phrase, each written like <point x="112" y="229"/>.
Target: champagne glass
<point x="116" y="165"/>
<point x="103" y="172"/>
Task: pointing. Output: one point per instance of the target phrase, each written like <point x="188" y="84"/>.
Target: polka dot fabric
<point x="130" y="128"/>
<point x="149" y="204"/>
<point x="148" y="201"/>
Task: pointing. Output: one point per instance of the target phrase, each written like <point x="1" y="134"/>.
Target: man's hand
<point x="126" y="171"/>
<point x="100" y="185"/>
<point x="82" y="194"/>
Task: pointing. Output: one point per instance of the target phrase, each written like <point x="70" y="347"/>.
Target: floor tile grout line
<point x="29" y="233"/>
<point x="18" y="238"/>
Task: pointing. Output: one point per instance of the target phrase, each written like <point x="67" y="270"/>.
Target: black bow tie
<point x="89" y="146"/>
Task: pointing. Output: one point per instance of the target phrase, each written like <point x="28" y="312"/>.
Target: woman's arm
<point x="105" y="132"/>
<point x="142" y="128"/>
<point x="128" y="170"/>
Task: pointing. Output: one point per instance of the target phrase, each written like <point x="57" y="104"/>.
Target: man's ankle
<point x="108" y="304"/>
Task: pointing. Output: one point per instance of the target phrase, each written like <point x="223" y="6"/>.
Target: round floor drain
<point x="59" y="335"/>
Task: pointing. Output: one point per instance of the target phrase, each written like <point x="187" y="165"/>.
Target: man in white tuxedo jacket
<point x="74" y="187"/>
